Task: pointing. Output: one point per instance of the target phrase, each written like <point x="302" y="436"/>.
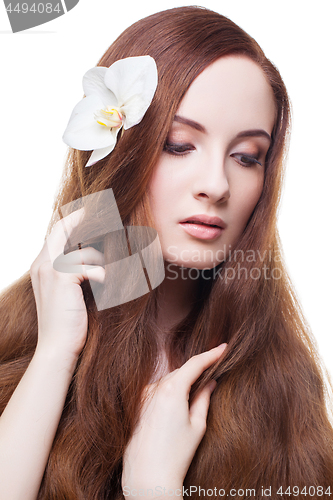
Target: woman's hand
<point x="169" y="431"/>
<point x="29" y="422"/>
<point x="61" y="310"/>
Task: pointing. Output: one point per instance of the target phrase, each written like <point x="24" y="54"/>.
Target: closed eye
<point x="246" y="160"/>
<point x="178" y="149"/>
<point x="183" y="149"/>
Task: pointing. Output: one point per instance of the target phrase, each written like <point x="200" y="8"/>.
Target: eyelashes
<point x="182" y="150"/>
<point x="177" y="149"/>
<point x="246" y="160"/>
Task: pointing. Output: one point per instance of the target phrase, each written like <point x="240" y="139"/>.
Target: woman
<point x="112" y="385"/>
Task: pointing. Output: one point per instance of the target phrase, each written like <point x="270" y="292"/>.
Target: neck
<point x="177" y="294"/>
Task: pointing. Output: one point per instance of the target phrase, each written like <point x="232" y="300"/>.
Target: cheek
<point x="160" y="196"/>
<point x="155" y="189"/>
<point x="255" y="191"/>
<point x="165" y="189"/>
<point x="248" y="194"/>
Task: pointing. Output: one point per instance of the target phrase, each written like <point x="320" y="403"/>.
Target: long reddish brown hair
<point x="268" y="423"/>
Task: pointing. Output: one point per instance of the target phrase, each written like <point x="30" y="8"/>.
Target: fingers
<point x="196" y="365"/>
<point x="178" y="383"/>
<point x="184" y="377"/>
<point x="199" y="407"/>
<point x="60" y="233"/>
<point x="79" y="261"/>
<point x="86" y="263"/>
<point x="95" y="273"/>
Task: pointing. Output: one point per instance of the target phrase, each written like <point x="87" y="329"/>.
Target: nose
<point x="212" y="182"/>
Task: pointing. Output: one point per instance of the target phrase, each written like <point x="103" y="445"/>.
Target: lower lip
<point x="201" y="231"/>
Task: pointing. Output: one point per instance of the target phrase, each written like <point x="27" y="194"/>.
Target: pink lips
<point x="205" y="228"/>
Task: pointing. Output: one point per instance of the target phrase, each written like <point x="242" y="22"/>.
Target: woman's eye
<point x="246" y="160"/>
<point x="178" y="149"/>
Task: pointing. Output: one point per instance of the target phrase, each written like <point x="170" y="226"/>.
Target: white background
<point x="41" y="74"/>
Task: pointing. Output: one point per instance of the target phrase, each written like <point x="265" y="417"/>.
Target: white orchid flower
<point x="116" y="97"/>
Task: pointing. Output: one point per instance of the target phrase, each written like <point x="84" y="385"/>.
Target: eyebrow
<point x="190" y="123"/>
<point x="255" y="133"/>
<point x="201" y="128"/>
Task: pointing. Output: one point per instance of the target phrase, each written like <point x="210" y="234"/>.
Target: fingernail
<point x="224" y="345"/>
<point x="212" y="385"/>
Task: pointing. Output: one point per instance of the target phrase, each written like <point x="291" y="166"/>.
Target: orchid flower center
<point x="110" y="117"/>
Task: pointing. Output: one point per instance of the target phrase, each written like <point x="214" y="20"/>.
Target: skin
<point x="228" y="97"/>
<point x="209" y="175"/>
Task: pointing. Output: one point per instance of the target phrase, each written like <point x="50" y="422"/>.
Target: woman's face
<point x="212" y="165"/>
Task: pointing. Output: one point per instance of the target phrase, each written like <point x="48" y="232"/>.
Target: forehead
<point x="232" y="92"/>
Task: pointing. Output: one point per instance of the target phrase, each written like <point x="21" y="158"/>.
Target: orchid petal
<point x="93" y="83"/>
<point x="83" y="132"/>
<point x="116" y="97"/>
<point x="99" y="154"/>
<point x="133" y="81"/>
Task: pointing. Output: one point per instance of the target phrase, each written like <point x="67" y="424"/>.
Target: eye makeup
<point x="248" y="147"/>
<point x="178" y="149"/>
